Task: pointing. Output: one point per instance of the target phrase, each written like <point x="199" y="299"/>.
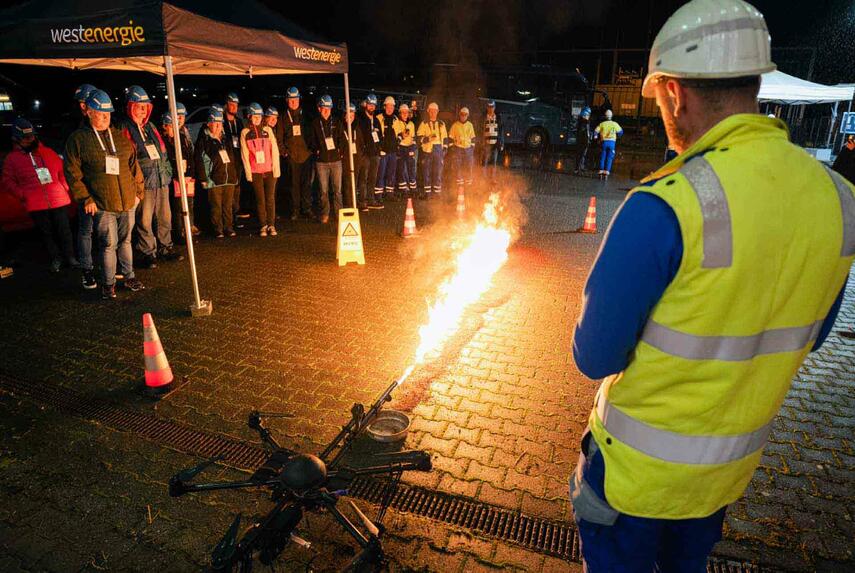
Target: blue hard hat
<point x="215" y="115"/>
<point x="217" y="107"/>
<point x="254" y="109"/>
<point x="232" y="97"/>
<point x="293" y="93"/>
<point x="371" y="99"/>
<point x="98" y="100"/>
<point x="180" y="108"/>
<point x="586" y="112"/>
<point x="82" y="92"/>
<point x="352" y="107"/>
<point x="136" y="94"/>
<point x="166" y="119"/>
<point x="22" y="128"/>
<point x="491" y="103"/>
<point x="271" y="112"/>
<point x="325" y="101"/>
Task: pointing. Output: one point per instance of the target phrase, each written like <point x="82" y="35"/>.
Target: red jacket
<point x="20" y="179"/>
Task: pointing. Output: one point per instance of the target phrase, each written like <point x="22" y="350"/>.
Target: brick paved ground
<point x="501" y="409"/>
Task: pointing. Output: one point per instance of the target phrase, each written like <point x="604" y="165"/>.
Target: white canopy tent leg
<point x="199" y="307"/>
<point x="831" y="127"/>
<point x="350" y="139"/>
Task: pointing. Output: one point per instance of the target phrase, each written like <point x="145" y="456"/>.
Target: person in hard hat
<point x="290" y="136"/>
<point x="493" y="138"/>
<point x="406" y="176"/>
<point x="369" y="164"/>
<point x="33" y="173"/>
<point x="583" y="138"/>
<point x="700" y="307"/>
<point x="271" y="117"/>
<point x="608" y="132"/>
<point x="85" y="222"/>
<point x="390" y="133"/>
<point x="462" y="136"/>
<point x="103" y="175"/>
<point x="170" y="132"/>
<point x="80" y="95"/>
<point x="154" y="242"/>
<point x="216" y="171"/>
<point x="433" y="138"/>
<point x="328" y="142"/>
<point x="233" y="125"/>
<point x="260" y="157"/>
<point x="845" y="162"/>
<point x="356" y="147"/>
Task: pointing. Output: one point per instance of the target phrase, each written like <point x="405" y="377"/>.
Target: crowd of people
<point x="123" y="173"/>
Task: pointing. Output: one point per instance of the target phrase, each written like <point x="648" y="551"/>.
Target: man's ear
<point x="677" y="96"/>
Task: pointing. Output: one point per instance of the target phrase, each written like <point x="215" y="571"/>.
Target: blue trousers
<point x="85" y="223"/>
<point x="154" y="205"/>
<point x="386" y="173"/>
<point x="114" y="235"/>
<point x="464" y="159"/>
<point x="636" y="544"/>
<point x="407" y="168"/>
<point x="607" y="155"/>
<point x="433" y="169"/>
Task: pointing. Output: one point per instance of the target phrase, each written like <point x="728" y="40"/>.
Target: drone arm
<point x="329" y="503"/>
<point x="254" y="423"/>
<point x="178" y="487"/>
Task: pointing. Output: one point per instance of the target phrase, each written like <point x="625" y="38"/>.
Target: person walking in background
<point x="260" y="156"/>
<point x="370" y="162"/>
<point x="406" y="170"/>
<point x="216" y="171"/>
<point x="327" y="141"/>
<point x="188" y="167"/>
<point x="433" y="138"/>
<point x="34" y="173"/>
<point x="462" y="135"/>
<point x="103" y="174"/>
<point x="608" y="131"/>
<point x="583" y="139"/>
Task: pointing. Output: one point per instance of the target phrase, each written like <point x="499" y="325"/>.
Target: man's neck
<point x="705" y="122"/>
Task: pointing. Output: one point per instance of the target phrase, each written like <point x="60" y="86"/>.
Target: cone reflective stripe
<point x="409" y="221"/>
<point x="158" y="374"/>
<point x="461" y="203"/>
<point x="590" y="225"/>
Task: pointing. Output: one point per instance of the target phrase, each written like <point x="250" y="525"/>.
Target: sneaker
<point x="195" y="230"/>
<point x="170" y="254"/>
<point x="133" y="284"/>
<point x="263" y="232"/>
<point x="220" y="236"/>
<point x="54" y="265"/>
<point x="108" y="292"/>
<point x="231" y="233"/>
<point x="147" y="262"/>
<point x="89" y="281"/>
<point x="272" y="230"/>
<point x="363" y="208"/>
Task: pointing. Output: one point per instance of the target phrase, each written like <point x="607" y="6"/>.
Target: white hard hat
<point x="404" y="107"/>
<point x="388" y="100"/>
<point x="433" y="105"/>
<point x="709" y="39"/>
<point x="609" y="114"/>
<point x="464" y="110"/>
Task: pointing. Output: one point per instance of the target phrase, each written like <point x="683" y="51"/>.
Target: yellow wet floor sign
<point x="349" y="247"/>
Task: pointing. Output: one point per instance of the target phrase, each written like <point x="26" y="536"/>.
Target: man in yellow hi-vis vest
<point x="718" y="275"/>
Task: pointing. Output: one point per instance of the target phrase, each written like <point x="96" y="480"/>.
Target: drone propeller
<point x="190" y="473"/>
<point x="369" y="525"/>
<point x="225" y="550"/>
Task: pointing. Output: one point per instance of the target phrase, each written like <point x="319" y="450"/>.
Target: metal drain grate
<point x="533" y="533"/>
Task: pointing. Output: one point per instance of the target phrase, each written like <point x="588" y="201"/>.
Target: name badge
<point x="235" y="141"/>
<point x="44" y="175"/>
<point x="329" y="143"/>
<point x="151" y="149"/>
<point x="183" y="166"/>
<point x="374" y="136"/>
<point x="492" y="130"/>
<point x="259" y="156"/>
<point x="295" y="130"/>
<point x="111" y="165"/>
<point x="224" y="156"/>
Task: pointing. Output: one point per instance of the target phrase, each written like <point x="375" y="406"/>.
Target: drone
<point x="300" y="483"/>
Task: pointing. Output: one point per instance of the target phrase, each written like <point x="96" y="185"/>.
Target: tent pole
<point x="831" y="127"/>
<point x="350" y="139"/>
<point x="199" y="307"/>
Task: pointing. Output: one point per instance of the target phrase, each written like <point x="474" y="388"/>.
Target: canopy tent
<point x="211" y="37"/>
<point x="781" y="88"/>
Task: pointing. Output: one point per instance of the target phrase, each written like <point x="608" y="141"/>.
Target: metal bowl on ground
<point x="389" y="426"/>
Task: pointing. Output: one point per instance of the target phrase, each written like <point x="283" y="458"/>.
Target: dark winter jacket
<point x="210" y="169"/>
<point x="292" y="146"/>
<point x="368" y="125"/>
<point x="157" y="172"/>
<point x="319" y="130"/>
<point x="231" y="134"/>
<point x="583" y="132"/>
<point x="360" y="146"/>
<point x="186" y="154"/>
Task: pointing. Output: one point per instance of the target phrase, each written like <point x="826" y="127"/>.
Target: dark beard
<point x="31" y="147"/>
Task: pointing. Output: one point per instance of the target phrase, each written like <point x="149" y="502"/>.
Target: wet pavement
<point x="501" y="409"/>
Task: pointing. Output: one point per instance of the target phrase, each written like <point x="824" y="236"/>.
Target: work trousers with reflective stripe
<point x="386" y="172"/>
<point x="406" y="176"/>
<point x="607" y="155"/>
<point x="463" y="160"/>
<point x="634" y="544"/>
<point x="433" y="169"/>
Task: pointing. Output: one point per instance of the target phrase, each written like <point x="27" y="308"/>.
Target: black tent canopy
<point x="213" y="37"/>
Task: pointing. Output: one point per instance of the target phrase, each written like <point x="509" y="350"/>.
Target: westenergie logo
<point x="315" y="55"/>
<point x="124" y="35"/>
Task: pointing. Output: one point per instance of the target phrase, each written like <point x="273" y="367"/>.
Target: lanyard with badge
<point x="259" y="153"/>
<point x="43" y="173"/>
<point x="150" y="148"/>
<point x="295" y="127"/>
<point x="374" y="135"/>
<point x="111" y="162"/>
<point x="352" y="143"/>
<point x="328" y="140"/>
<point x="233" y="130"/>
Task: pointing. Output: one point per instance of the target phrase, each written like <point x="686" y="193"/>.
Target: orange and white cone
<point x="409" y="229"/>
<point x="590" y="225"/>
<point x="461" y="203"/>
<point x="158" y="374"/>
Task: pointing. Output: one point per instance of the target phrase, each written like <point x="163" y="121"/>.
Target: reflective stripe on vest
<point x="718" y="236"/>
<point x="729" y="348"/>
<point x="678" y="448"/>
<point x="847" y="206"/>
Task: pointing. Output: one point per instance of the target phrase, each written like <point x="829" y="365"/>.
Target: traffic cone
<point x="461" y="203"/>
<point x="158" y="374"/>
<point x="409" y="229"/>
<point x="590" y="225"/>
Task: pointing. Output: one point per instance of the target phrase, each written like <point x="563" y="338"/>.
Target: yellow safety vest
<point x="768" y="240"/>
<point x="609" y="130"/>
<point x="408" y="133"/>
<point x="462" y="134"/>
<point x="435" y="133"/>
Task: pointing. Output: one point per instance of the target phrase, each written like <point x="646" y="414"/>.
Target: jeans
<point x="301" y="186"/>
<point x="50" y="221"/>
<point x="85" y="223"/>
<point x="264" y="186"/>
<point x="406" y="170"/>
<point x="433" y="169"/>
<point x="366" y="175"/>
<point x="491" y="155"/>
<point x="464" y="158"/>
<point x="634" y="544"/>
<point x="329" y="176"/>
<point x="155" y="204"/>
<point x="607" y="155"/>
<point x="220" y="199"/>
<point x="114" y="234"/>
<point x="386" y="172"/>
